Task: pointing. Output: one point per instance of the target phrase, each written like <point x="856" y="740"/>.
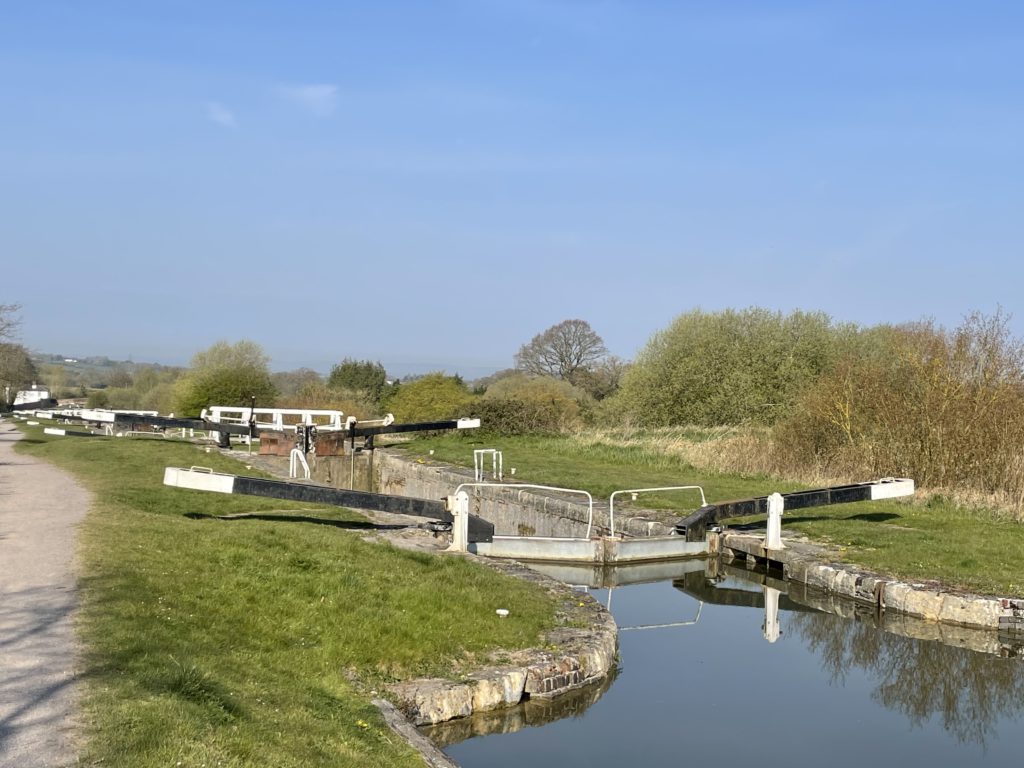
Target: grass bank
<point x="935" y="540"/>
<point x="258" y="641"/>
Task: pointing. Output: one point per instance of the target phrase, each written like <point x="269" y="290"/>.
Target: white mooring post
<point x="770" y="628"/>
<point x="459" y="507"/>
<point x="774" y="538"/>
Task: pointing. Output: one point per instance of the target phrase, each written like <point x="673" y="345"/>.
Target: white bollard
<point x="774" y="538"/>
<point x="459" y="506"/>
<point x="771" y="628"/>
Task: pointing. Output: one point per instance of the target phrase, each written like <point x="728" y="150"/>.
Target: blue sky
<point x="430" y="184"/>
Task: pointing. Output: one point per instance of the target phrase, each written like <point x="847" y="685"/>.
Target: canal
<point x="706" y="675"/>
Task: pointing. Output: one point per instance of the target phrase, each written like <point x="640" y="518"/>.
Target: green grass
<point x="934" y="541"/>
<point x="259" y="641"/>
<point x="600" y="469"/>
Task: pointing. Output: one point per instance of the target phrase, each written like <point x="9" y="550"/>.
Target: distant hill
<point x="71" y="375"/>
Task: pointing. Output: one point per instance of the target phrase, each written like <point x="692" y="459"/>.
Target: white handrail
<point x="590" y="499"/>
<point x="634" y="491"/>
<point x="296" y="459"/>
<point x="274" y="418"/>
<point x="497" y="467"/>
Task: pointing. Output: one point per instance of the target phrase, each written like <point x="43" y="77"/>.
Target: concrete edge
<point x="572" y="657"/>
<point x="803" y="563"/>
<point x="397" y="722"/>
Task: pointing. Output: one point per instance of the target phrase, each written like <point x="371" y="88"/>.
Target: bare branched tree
<point x="9" y="321"/>
<point x="562" y="351"/>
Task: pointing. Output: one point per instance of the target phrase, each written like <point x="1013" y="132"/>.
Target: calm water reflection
<point x="831" y="689"/>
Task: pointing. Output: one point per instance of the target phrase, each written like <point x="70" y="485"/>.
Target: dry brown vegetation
<point x="943" y="407"/>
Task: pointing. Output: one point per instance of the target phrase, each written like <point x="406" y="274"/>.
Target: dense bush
<point x="320" y="396"/>
<point x="943" y="407"/>
<point x="225" y="374"/>
<point x="729" y="367"/>
<point x="365" y="378"/>
<point x="520" y="404"/>
<point x="433" y="397"/>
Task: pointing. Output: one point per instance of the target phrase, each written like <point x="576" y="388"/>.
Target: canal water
<point x="707" y="676"/>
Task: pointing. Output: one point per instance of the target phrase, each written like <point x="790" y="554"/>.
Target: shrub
<point x="943" y="407"/>
<point x="97" y="398"/>
<point x="366" y="378"/>
<point x="520" y="404"/>
<point x="432" y="397"/>
<point x="320" y="396"/>
<point x="729" y="367"/>
<point x="225" y="374"/>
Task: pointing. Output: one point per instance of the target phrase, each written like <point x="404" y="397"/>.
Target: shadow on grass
<point x="867" y="517"/>
<point x="352" y="525"/>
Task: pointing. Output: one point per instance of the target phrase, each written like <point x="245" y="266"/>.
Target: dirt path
<point x="40" y="508"/>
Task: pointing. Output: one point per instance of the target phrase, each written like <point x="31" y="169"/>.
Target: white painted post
<point x="774" y="538"/>
<point x="459" y="505"/>
<point x="771" y="628"/>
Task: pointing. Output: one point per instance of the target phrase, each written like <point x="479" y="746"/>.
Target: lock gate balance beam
<point x="694" y="526"/>
<point x="201" y="479"/>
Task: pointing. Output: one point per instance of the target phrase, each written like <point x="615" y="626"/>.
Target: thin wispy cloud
<point x="220" y="114"/>
<point x="319" y="99"/>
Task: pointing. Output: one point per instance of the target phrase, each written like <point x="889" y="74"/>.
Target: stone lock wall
<point x="513" y="511"/>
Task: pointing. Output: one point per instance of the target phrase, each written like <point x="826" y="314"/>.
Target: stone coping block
<point x="807" y="563"/>
<point x="571" y="658"/>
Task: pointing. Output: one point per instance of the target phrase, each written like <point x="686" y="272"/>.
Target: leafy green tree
<point x="363" y="377"/>
<point x="520" y="405"/>
<point x="433" y="397"/>
<point x="729" y="367"/>
<point x="225" y="374"/>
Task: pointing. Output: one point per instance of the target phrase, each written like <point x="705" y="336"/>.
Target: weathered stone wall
<point x="514" y="511"/>
<point x="803" y="563"/>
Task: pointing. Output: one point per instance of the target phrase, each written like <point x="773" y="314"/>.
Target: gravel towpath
<point x="40" y="508"/>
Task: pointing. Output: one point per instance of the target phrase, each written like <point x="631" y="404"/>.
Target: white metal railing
<point x="480" y="460"/>
<point x="635" y="491"/>
<point x="275" y="418"/>
<point x="517" y="486"/>
<point x="296" y="459"/>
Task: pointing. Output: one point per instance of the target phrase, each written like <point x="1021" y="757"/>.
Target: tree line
<point x="817" y="398"/>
